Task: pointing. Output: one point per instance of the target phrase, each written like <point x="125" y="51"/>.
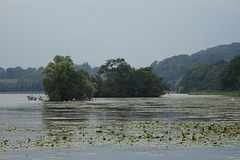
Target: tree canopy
<point x="61" y="82"/>
<point x="148" y="84"/>
<point x="219" y="76"/>
<point x="173" y="68"/>
<point x="116" y="78"/>
<point x="20" y="80"/>
<point x="200" y="77"/>
<point x="229" y="77"/>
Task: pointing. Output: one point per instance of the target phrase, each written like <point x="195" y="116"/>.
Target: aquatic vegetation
<point x="12" y="129"/>
<point x="207" y="133"/>
<point x="148" y="135"/>
<point x="209" y="122"/>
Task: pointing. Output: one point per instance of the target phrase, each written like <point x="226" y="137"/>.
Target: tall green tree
<point x="116" y="78"/>
<point x="148" y="84"/>
<point x="62" y="82"/>
<point x="85" y="89"/>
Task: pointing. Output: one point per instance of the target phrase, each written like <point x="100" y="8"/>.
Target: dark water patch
<point x="195" y="119"/>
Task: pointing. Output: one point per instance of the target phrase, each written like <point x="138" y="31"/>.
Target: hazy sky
<point x="32" y="32"/>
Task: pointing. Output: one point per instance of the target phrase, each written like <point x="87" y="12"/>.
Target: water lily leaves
<point x="208" y="123"/>
<point x="99" y="131"/>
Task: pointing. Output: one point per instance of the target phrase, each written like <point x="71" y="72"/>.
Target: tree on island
<point x="148" y="84"/>
<point x="61" y="82"/>
<point x="116" y="78"/>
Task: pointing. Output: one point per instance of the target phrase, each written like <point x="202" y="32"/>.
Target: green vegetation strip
<point x="227" y="93"/>
<point x="158" y="133"/>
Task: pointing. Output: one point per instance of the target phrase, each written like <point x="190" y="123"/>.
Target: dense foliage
<point x="20" y="73"/>
<point x="148" y="84"/>
<point x="20" y="80"/>
<point x="20" y="85"/>
<point x="229" y="78"/>
<point x="200" y="77"/>
<point x="171" y="69"/>
<point x="219" y="76"/>
<point x="62" y="82"/>
<point x="116" y="78"/>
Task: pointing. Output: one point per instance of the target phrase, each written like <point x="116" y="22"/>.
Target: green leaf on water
<point x="148" y="135"/>
<point x="183" y="135"/>
<point x="99" y="131"/>
<point x="12" y="129"/>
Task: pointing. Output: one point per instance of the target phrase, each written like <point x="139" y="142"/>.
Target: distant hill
<point x="201" y="77"/>
<point x="173" y="68"/>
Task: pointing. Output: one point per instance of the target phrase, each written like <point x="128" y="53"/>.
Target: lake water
<point x="120" y="128"/>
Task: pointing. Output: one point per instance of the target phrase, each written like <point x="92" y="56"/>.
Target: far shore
<point x="227" y="93"/>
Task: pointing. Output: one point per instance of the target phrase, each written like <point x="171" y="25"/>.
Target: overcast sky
<point x="32" y="32"/>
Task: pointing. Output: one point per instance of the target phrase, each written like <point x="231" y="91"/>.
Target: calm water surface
<point x="17" y="111"/>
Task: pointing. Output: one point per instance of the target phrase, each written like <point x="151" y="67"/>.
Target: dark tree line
<point x="200" y="77"/>
<point x="229" y="77"/>
<point x="21" y="85"/>
<point x="116" y="78"/>
<point x="221" y="76"/>
<point x="20" y="80"/>
<point x="20" y="73"/>
<point x="173" y="68"/>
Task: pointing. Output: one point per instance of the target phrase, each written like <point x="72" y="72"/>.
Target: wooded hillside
<point x="173" y="68"/>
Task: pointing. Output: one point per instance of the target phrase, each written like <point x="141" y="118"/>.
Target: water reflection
<point x="110" y="111"/>
<point x="117" y="110"/>
<point x="66" y="120"/>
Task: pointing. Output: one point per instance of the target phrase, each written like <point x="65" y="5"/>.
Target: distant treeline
<point x="21" y="80"/>
<point x="173" y="68"/>
<point x="218" y="76"/>
<point x="201" y="71"/>
<point x="20" y="73"/>
<point x="20" y="85"/>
